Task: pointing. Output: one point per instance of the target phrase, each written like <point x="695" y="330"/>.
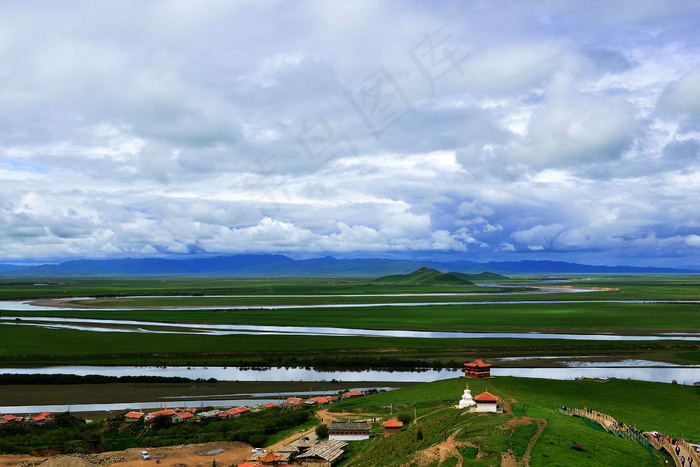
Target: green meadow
<point x="24" y="343"/>
<point x="532" y="427"/>
<point x="625" y="318"/>
<point x="531" y="423"/>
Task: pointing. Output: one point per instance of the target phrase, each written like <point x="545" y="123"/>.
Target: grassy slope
<point x="654" y="406"/>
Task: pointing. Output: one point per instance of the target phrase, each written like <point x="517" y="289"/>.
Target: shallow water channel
<point x="634" y="369"/>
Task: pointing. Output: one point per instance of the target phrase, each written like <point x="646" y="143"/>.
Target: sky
<point x="460" y="130"/>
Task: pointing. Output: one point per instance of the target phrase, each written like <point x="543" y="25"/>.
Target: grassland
<point x="531" y="425"/>
<point x="532" y="403"/>
<point x="531" y="421"/>
<point x="31" y="345"/>
<point x="588" y="317"/>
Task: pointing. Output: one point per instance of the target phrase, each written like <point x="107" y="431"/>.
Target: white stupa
<point x="467" y="400"/>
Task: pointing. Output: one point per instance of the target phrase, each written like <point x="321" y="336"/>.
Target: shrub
<point x="405" y="417"/>
<point x="322" y="431"/>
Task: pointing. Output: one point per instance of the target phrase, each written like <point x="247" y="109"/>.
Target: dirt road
<point x="194" y="455"/>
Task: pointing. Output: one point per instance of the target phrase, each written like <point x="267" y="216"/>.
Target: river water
<point x="107" y="325"/>
<point x="638" y="370"/>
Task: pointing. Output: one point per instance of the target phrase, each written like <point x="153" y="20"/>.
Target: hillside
<point x="532" y="431"/>
<point x="425" y="276"/>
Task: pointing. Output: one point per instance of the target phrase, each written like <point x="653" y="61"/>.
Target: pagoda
<point x="477" y="369"/>
<point x="467" y="400"/>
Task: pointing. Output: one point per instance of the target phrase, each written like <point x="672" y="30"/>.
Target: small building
<point x="165" y="413"/>
<point x="487" y="402"/>
<point x="348" y="431"/>
<point x="6" y="419"/>
<point x="477" y="369"/>
<point x="43" y="418"/>
<point x="350" y="394"/>
<point x="182" y="417"/>
<point x="288" y="453"/>
<point x="325" y="453"/>
<point x="303" y="445"/>
<point x="392" y="427"/>
<point x="237" y="411"/>
<point x="133" y="417"/>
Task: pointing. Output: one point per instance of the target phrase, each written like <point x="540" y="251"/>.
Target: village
<point x="305" y="449"/>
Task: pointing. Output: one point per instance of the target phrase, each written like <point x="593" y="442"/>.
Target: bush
<point x="405" y="417"/>
<point x="322" y="431"/>
<point x="256" y="440"/>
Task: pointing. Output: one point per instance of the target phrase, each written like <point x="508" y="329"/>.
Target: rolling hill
<point x="425" y="276"/>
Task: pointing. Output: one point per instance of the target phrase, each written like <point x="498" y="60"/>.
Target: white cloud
<point x="693" y="240"/>
<point x="134" y="129"/>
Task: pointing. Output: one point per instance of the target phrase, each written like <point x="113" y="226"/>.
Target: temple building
<point x="349" y="431"/>
<point x="487" y="402"/>
<point x="391" y="427"/>
<point x="477" y="369"/>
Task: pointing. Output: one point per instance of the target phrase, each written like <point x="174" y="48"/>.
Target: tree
<point x="322" y="431"/>
<point x="405" y="417"/>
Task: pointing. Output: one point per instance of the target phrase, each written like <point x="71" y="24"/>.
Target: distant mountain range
<point x="279" y="265"/>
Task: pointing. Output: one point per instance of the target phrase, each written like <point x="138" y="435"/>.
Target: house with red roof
<point x="477" y="369"/>
<point x="43" y="418"/>
<point x="487" y="402"/>
<point x="350" y="394"/>
<point x="133" y="417"/>
<point x="183" y="417"/>
<point x="392" y="427"/>
<point x="237" y="411"/>
<point x="168" y="413"/>
<point x="10" y="419"/>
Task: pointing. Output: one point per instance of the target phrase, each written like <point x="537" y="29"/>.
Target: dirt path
<point x="193" y="455"/>
<point x="541" y="425"/>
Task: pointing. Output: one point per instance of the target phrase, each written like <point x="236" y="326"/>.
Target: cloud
<point x="541" y="130"/>
<point x="682" y="97"/>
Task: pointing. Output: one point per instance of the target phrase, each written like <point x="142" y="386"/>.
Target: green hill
<point x="532" y="430"/>
<point x="424" y="276"/>
<point x="481" y="277"/>
<point x="428" y="276"/>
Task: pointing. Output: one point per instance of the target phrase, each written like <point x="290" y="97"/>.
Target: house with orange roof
<point x="477" y="369"/>
<point x="133" y="417"/>
<point x="43" y="418"/>
<point x="152" y="415"/>
<point x="183" y="417"/>
<point x="487" y="402"/>
<point x="350" y="394"/>
<point x="235" y="412"/>
<point x="392" y="427"/>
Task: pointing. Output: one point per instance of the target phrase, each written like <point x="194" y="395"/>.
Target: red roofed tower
<point x="477" y="369"/>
